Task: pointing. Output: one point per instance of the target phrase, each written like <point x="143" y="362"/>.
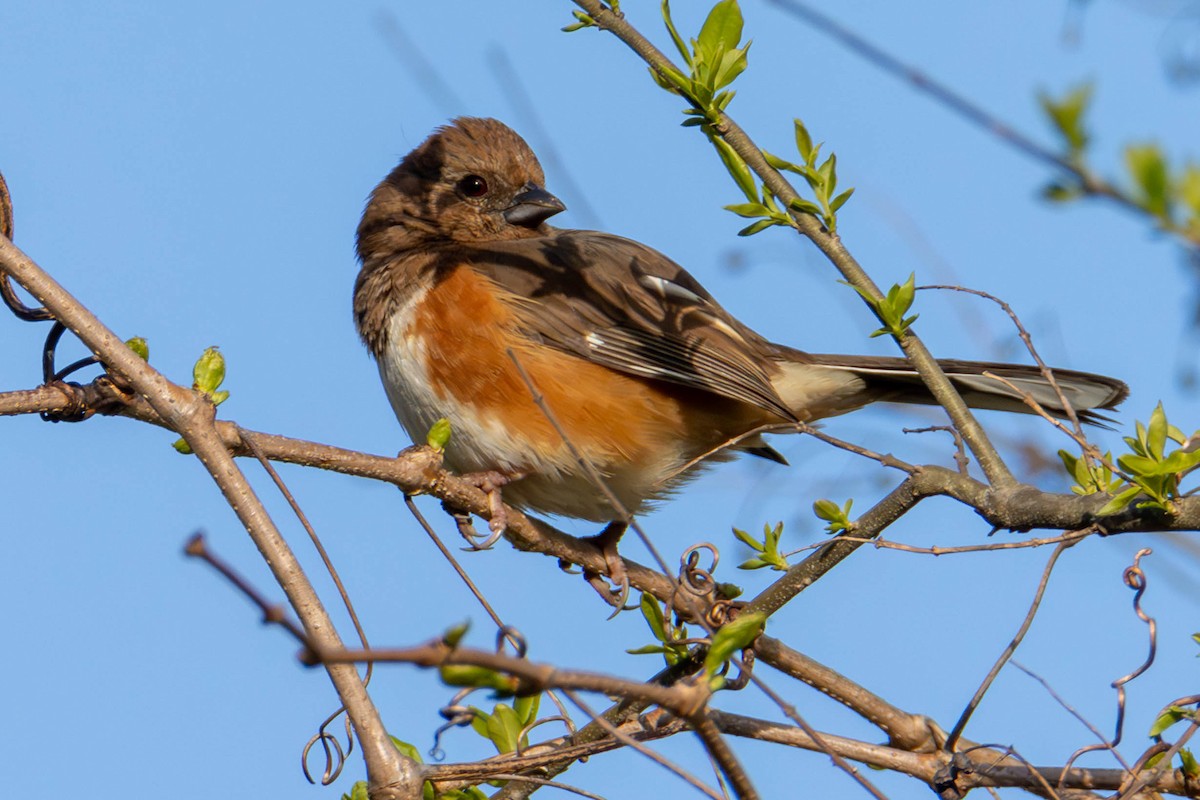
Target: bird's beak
<point x="533" y="206"/>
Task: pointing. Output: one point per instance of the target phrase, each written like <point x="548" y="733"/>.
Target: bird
<point x="547" y="347"/>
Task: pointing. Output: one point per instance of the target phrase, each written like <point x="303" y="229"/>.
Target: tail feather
<point x="826" y="385"/>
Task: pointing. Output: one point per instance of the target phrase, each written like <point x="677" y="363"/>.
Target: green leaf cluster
<point x="1154" y="471"/>
<point x="669" y="635"/>
<point x="767" y="549"/>
<point x="503" y="727"/>
<point x="837" y="516"/>
<point x="714" y="59"/>
<point x="1091" y="477"/>
<point x="821" y="177"/>
<point x="1169" y="195"/>
<point x="1066" y="115"/>
<point x="729" y="640"/>
<point x="1168" y="718"/>
<point x="892" y="307"/>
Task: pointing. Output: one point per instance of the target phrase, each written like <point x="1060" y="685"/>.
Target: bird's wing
<point x="621" y="304"/>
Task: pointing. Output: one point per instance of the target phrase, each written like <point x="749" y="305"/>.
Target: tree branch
<point x="391" y="774"/>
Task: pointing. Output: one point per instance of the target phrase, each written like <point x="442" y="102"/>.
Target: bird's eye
<point x="473" y="186"/>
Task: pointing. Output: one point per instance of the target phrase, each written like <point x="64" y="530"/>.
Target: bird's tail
<point x="816" y="386"/>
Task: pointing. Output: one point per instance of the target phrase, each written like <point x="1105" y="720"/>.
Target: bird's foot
<point x="489" y="482"/>
<point x="614" y="591"/>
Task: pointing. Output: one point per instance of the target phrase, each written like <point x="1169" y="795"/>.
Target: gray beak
<point x="533" y="206"/>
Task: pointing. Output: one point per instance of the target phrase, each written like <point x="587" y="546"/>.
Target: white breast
<point x="478" y="443"/>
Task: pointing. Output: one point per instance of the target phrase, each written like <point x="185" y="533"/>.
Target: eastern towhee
<point x="644" y="372"/>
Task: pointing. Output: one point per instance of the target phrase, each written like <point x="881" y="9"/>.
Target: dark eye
<point x="473" y="186"/>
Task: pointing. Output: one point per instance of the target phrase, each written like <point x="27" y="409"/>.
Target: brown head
<point x="472" y="181"/>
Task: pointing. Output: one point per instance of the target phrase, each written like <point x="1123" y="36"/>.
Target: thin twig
<point x="965" y="717"/>
<point x="454" y="563"/>
<point x="1073" y="712"/>
<point x="657" y="758"/>
<point x="938" y="550"/>
<point x="1047" y="373"/>
<point x="818" y="739"/>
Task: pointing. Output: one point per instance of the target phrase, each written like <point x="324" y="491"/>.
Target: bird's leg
<point x="606" y="542"/>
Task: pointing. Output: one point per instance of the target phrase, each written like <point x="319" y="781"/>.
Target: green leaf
<point x="748" y="540"/>
<point x="749" y="209"/>
<point x="654" y="616"/>
<point x="477" y="677"/>
<point x="1148" y="168"/>
<point x="804" y="144"/>
<point x="1169" y="717"/>
<point x="732" y="64"/>
<point x="527" y="708"/>
<point x="756" y="227"/>
<point x="455" y="634"/>
<point x="722" y="30"/>
<point x="1179" y="461"/>
<point x="680" y="45"/>
<point x="737" y="168"/>
<point x="1191" y="768"/>
<point x="138" y="345"/>
<point x="182" y="446"/>
<point x="357" y="792"/>
<point x="732" y="638"/>
<point x="827" y="510"/>
<point x="771" y="536"/>
<point x="828" y="173"/>
<point x="805" y="206"/>
<point x="1119" y="502"/>
<point x="841" y="199"/>
<point x="1187" y="189"/>
<point x="1156" y="433"/>
<point x="406" y="749"/>
<point x="646" y="649"/>
<point x="1070" y="463"/>
<point x="837" y="516"/>
<point x="1067" y="116"/>
<point x="780" y="163"/>
<point x="504" y="728"/>
<point x="479" y="721"/>
<point x="439" y="435"/>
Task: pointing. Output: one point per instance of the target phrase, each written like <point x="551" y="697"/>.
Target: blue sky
<point x="195" y="177"/>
